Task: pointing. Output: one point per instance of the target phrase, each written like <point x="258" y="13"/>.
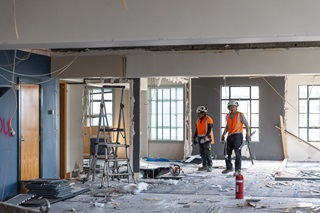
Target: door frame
<point x="63" y="130"/>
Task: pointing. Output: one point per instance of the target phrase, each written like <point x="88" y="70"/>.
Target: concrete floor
<point x="206" y="191"/>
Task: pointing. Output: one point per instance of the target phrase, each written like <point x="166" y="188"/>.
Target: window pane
<point x="166" y="120"/>
<point x="108" y="106"/>
<point x="159" y="95"/>
<point x="166" y="107"/>
<point x="180" y="120"/>
<point x="225" y="92"/>
<point x="303" y="92"/>
<point x="240" y="92"/>
<point x="173" y="134"/>
<point x="173" y="107"/>
<point x="152" y="93"/>
<point x="173" y="94"/>
<point x="244" y="106"/>
<point x="107" y="96"/>
<point x="224" y="107"/>
<point x="303" y="120"/>
<point x="173" y="121"/>
<point x="180" y="108"/>
<point x="235" y="93"/>
<point x="303" y="133"/>
<point x="180" y="95"/>
<point x="223" y="120"/>
<point x="254" y="106"/>
<point x="314" y="106"/>
<point x="95" y="121"/>
<point x="303" y="106"/>
<point x="160" y="105"/>
<point x="160" y="134"/>
<point x="153" y="134"/>
<point x="314" y="120"/>
<point x="314" y="91"/>
<point x="314" y="134"/>
<point x="95" y="108"/>
<point x="153" y="120"/>
<point x="96" y="96"/>
<point x="166" y="134"/>
<point x="254" y="120"/>
<point x="153" y="107"/>
<point x="255" y="92"/>
<point x="159" y="117"/>
<point x="166" y="94"/>
<point x="180" y="134"/>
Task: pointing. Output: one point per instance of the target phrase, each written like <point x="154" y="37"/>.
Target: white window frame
<point x="248" y="99"/>
<point x="166" y="113"/>
<point x="94" y="100"/>
<point x="309" y="112"/>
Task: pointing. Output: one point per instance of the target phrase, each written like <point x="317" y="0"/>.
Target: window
<point x="95" y="96"/>
<point x="248" y="99"/>
<point x="166" y="114"/>
<point x="309" y="113"/>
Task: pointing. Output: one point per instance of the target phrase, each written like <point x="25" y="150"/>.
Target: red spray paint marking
<point x="5" y="127"/>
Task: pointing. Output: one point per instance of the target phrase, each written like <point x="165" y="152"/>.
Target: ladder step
<point x="118" y="159"/>
<point x="108" y="129"/>
<point x="112" y="144"/>
<point x="120" y="174"/>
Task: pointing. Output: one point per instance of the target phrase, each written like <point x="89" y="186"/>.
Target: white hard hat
<point x="233" y="103"/>
<point x="202" y="109"/>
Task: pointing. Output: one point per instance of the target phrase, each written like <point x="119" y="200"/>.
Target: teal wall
<point x="29" y="65"/>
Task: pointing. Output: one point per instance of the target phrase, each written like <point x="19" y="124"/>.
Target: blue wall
<point x="30" y="64"/>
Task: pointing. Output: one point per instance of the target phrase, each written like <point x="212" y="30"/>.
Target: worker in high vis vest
<point x="235" y="121"/>
<point x="204" y="137"/>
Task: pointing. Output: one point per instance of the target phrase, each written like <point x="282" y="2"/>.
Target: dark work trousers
<point x="205" y="153"/>
<point x="234" y="141"/>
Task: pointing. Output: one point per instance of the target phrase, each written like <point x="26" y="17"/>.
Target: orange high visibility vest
<point x="234" y="125"/>
<point x="202" y="127"/>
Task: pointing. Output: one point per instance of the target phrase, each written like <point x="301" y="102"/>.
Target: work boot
<point x="209" y="169"/>
<point x="202" y="168"/>
<point x="227" y="171"/>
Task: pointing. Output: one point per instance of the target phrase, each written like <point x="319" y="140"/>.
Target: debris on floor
<point x="202" y="191"/>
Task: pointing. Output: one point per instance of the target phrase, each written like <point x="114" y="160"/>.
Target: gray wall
<point x="206" y="91"/>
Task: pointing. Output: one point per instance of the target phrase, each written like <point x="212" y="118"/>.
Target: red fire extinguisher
<point x="239" y="186"/>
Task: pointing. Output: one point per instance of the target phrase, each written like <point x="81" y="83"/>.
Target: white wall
<point x="225" y="63"/>
<point x="105" y="23"/>
<point x="74" y="126"/>
<point x="298" y="150"/>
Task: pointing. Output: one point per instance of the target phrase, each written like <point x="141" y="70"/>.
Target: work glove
<point x="248" y="138"/>
<point x="195" y="141"/>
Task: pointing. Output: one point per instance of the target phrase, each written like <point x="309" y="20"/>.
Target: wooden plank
<point x="284" y="162"/>
<point x="300" y="139"/>
<point x="284" y="142"/>
<point x="295" y="178"/>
